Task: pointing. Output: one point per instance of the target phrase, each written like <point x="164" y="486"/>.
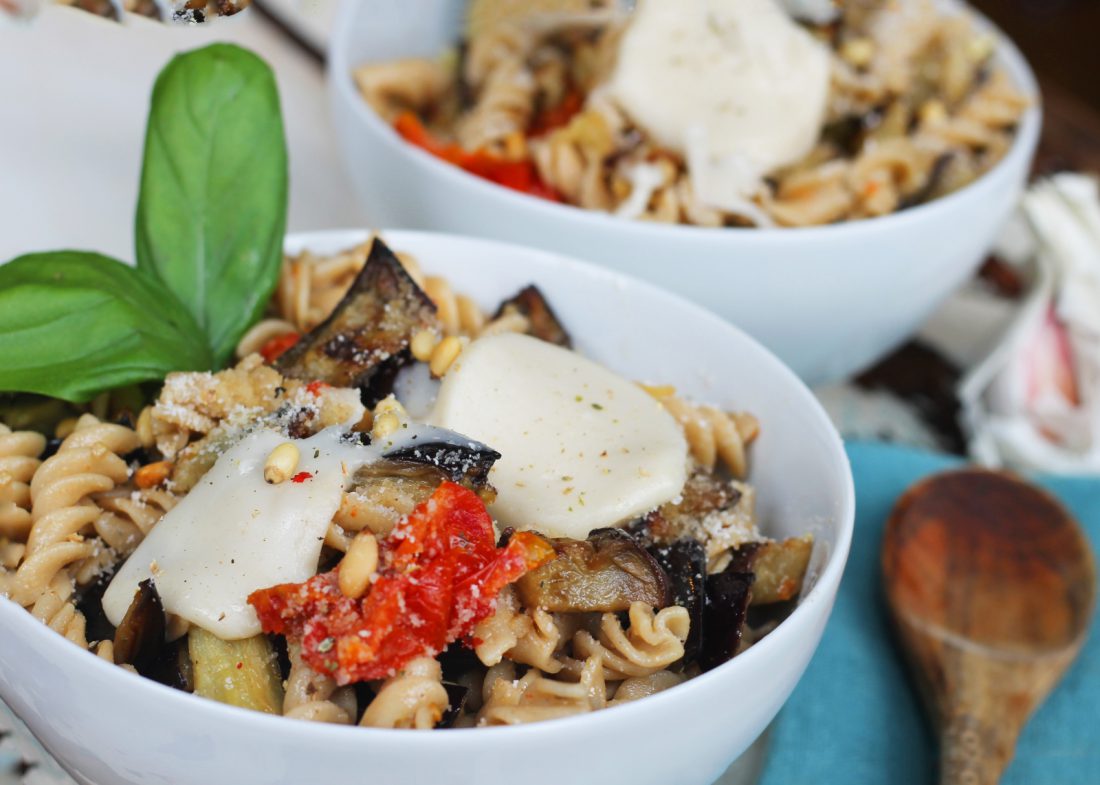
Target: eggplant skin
<point x="139" y="638"/>
<point x="460" y="460"/>
<point x="544" y="323"/>
<point x="605" y="573"/>
<point x="685" y="563"/>
<point x="368" y="333"/>
<point x="457" y="695"/>
<point x="728" y="595"/>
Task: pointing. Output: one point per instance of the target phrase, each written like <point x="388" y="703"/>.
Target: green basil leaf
<point x="212" y="208"/>
<point x="73" y="324"/>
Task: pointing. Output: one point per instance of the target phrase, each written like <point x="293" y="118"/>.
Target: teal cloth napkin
<point x="854" y="718"/>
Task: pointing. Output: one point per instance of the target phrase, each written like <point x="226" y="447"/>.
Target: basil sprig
<point x="210" y="222"/>
<point x="73" y="323"/>
<point x="212" y="210"/>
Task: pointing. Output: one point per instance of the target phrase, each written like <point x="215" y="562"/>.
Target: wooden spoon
<point x="991" y="584"/>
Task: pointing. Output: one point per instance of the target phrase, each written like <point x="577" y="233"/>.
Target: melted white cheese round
<point x="735" y="86"/>
<point x="580" y="446"/>
<point x="233" y="533"/>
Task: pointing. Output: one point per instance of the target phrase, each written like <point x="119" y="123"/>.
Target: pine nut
<point x="282" y="462"/>
<point x="422" y="345"/>
<point x="358" y="565"/>
<point x="384" y="425"/>
<point x="858" y="52"/>
<point x="144" y="427"/>
<point x="444" y="355"/>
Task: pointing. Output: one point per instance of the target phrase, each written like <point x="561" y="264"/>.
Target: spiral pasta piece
<point x="652" y="642"/>
<point x="982" y="121"/>
<point x="414" y="698"/>
<point x="19" y="451"/>
<point x="712" y="434"/>
<point x="533" y="698"/>
<point x="504" y="108"/>
<point x="638" y="687"/>
<point x="129" y="515"/>
<point x="408" y="84"/>
<point x="814" y="196"/>
<point x="498" y="47"/>
<point x="88" y="462"/>
<point x="887" y="172"/>
<point x="55" y="608"/>
<point x="530" y="637"/>
<point x="311" y="286"/>
<point x="314" y="697"/>
<point x="572" y="160"/>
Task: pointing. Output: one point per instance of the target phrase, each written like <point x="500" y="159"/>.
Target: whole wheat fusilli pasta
<point x="19" y="451"/>
<point x="638" y="687"/>
<point x="313" y="696"/>
<point x="534" y="697"/>
<point x="651" y="642"/>
<point x="414" y="698"/>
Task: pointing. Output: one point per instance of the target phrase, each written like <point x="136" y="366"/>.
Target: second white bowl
<point x="829" y="301"/>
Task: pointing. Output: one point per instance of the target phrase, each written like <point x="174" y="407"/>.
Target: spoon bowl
<point x="991" y="585"/>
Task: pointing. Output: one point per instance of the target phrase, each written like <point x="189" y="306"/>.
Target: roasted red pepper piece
<point x="517" y="175"/>
<point x="277" y="346"/>
<point x="439" y="575"/>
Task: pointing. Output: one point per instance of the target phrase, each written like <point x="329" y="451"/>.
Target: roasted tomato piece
<point x="439" y="575"/>
<point x="278" y="346"/>
<point x="518" y="175"/>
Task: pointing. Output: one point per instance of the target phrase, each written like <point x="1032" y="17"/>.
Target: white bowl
<point x="110" y="727"/>
<point x="829" y="301"/>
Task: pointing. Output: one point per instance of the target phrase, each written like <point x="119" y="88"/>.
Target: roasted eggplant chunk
<point x="368" y="332"/>
<point x="139" y="639"/>
<point x="779" y="567"/>
<point x="458" y="458"/>
<point x="685" y="563"/>
<point x="385" y="492"/>
<point x="544" y="323"/>
<point x="417" y="469"/>
<point x="382" y="492"/>
<point x="727" y="603"/>
<point x="241" y="673"/>
<point x="704" y="493"/>
<point x="606" y="573"/>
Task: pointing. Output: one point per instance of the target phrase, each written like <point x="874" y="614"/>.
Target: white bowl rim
<point x="1026" y="138"/>
<point x="828" y="579"/>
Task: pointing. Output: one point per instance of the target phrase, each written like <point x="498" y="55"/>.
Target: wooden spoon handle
<point x="972" y="751"/>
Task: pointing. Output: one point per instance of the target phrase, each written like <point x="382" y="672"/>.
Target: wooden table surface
<point x="1059" y="39"/>
<point x="1071" y="132"/>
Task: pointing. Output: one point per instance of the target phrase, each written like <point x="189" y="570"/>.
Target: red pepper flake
<point x="302" y="477"/>
<point x="315" y="387"/>
<point x="518" y="175"/>
<point x="277" y="346"/>
<point x="440" y="573"/>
